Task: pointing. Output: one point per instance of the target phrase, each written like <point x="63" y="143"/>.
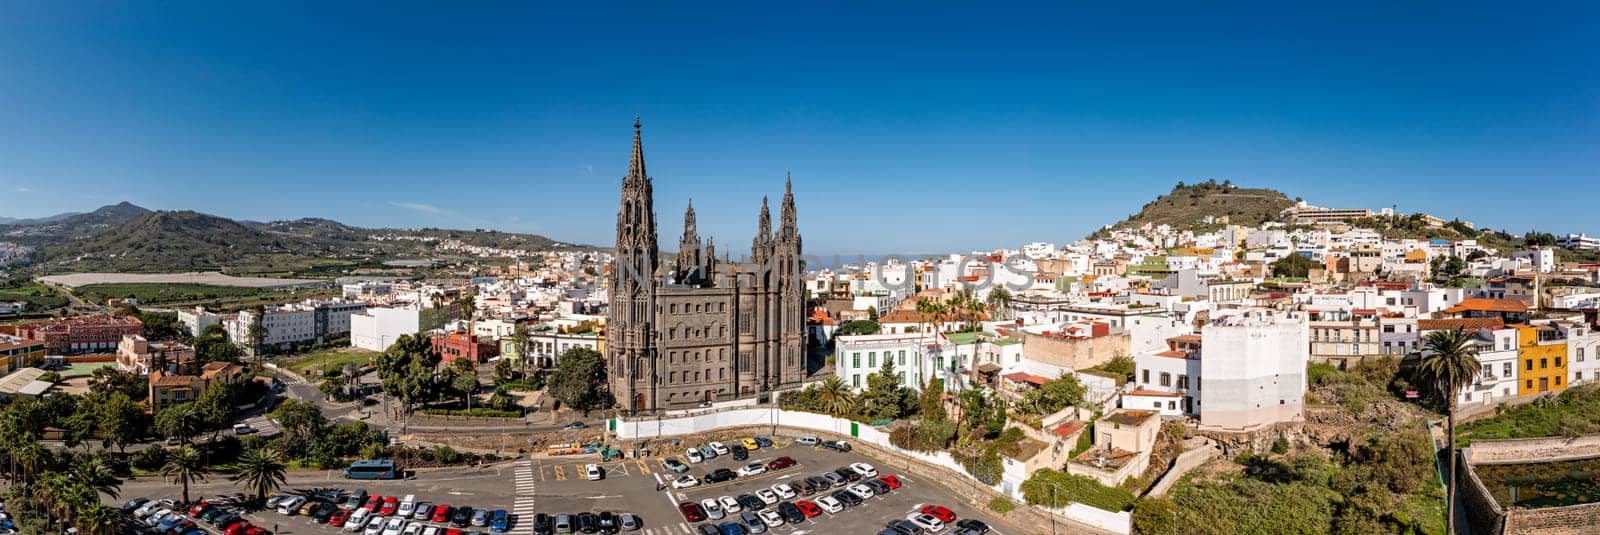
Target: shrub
<point x="1002" y="505"/>
<point x="480" y="412"/>
<point x="1281" y="445"/>
<point x="1053" y="488"/>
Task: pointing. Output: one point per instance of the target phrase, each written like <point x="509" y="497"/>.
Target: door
<point x="638" y="401"/>
<point x="1544" y="384"/>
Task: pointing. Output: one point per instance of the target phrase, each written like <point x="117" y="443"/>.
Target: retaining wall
<point x="1533" y="450"/>
<point x="1188" y="460"/>
<point x="1486" y="514"/>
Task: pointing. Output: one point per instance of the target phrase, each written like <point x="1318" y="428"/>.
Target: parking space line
<point x="561" y="475"/>
<point x="644" y="468"/>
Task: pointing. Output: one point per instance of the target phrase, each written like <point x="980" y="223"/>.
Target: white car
<point x="767" y="496"/>
<point x="718" y="447"/>
<point x="412" y="528"/>
<point x="357" y="520"/>
<point x="729" y="504"/>
<point x="752" y="469"/>
<point x="146" y="509"/>
<point x="829" y="504"/>
<point x="157" y="517"/>
<point x="785" y="491"/>
<point x="395" y="526"/>
<point x="408" y="507"/>
<point x="864" y="469"/>
<point x="926" y="522"/>
<point x="694" y="456"/>
<point x="432" y="530"/>
<point x="289" y="506"/>
<point x="592" y="472"/>
<point x="861" y="491"/>
<point x="685" y="482"/>
<point x="771" y="518"/>
<point x="374" y="526"/>
<point x="713" y="509"/>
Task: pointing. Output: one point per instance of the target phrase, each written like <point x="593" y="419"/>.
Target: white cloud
<point x="588" y="169"/>
<point x="424" y="208"/>
<point x="24" y="190"/>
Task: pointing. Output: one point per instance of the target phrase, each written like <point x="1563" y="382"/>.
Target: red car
<point x="258" y="530"/>
<point x="238" y="528"/>
<point x="780" y="463"/>
<point x="389" y="505"/>
<point x="199" y="508"/>
<point x="441" y="512"/>
<point x="809" y="509"/>
<point x="338" y="518"/>
<point x="373" y="502"/>
<point x="453" y="531"/>
<point x="891" y="481"/>
<point x="692" y="511"/>
<point x="944" y="514"/>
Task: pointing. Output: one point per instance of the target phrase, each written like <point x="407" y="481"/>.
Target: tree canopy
<point x="580" y="380"/>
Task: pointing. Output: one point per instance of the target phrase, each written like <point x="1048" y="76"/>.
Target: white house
<point x="375" y="329"/>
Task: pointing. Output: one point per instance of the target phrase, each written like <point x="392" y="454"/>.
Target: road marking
<point x="644" y="468"/>
<point x="561" y="475"/>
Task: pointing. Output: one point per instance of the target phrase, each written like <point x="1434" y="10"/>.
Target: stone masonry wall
<point x="1535" y="450"/>
<point x="1487" y="516"/>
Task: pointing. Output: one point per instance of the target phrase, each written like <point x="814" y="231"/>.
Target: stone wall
<point x="1074" y="353"/>
<point x="1535" y="450"/>
<point x="1486" y="514"/>
<point x="1188" y="460"/>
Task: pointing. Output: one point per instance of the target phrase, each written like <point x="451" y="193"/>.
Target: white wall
<point x="377" y="328"/>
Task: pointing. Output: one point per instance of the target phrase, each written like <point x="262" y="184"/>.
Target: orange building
<point x="1542" y="352"/>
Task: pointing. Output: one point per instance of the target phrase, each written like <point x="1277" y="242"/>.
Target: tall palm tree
<point x="999" y="299"/>
<point x="261" y="470"/>
<point x="184" y="466"/>
<point x="836" y="396"/>
<point x="99" y="520"/>
<point x="1450" y="361"/>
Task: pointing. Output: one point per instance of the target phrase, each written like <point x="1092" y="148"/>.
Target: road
<point x="555" y="485"/>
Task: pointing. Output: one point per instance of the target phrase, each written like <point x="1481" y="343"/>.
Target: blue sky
<point x="909" y="127"/>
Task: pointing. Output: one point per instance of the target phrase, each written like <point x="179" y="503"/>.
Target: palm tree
<point x="836" y="396"/>
<point x="184" y="466"/>
<point x="1450" y="360"/>
<point x="92" y="472"/>
<point x="1000" y="300"/>
<point x="519" y="340"/>
<point x="261" y="470"/>
<point x="99" y="520"/>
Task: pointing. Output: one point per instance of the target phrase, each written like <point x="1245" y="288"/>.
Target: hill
<point x="1188" y="205"/>
<point x="127" y="238"/>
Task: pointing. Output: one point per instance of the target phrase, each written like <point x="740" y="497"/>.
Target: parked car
<point x="629" y="522"/>
<point x="732" y="528"/>
<point x="850" y="499"/>
<point x="375" y="525"/>
<point x="480" y="517"/>
<point x="729" y="504"/>
<point x="692" y="512"/>
<point x="289" y="506"/>
<point x="408" y="506"/>
<point x="926" y="522"/>
<point x="974" y="525"/>
<point x="712" y="507"/>
<point x="904" y="527"/>
<point x="877" y="486"/>
<point x="131" y="505"/>
<point x="674" y="465"/>
<point x="808" y="508"/>
<point x="739" y="452"/>
<point x="323" y="512"/>
<point x="607" y="521"/>
<point x="685" y="482"/>
<point x="243" y="429"/>
<point x="749" y="443"/>
<point x="837" y="445"/>
<point x="390" y="505"/>
<point x="500" y="521"/>
<point x="807" y="441"/>
<point x="563" y="523"/>
<point x="424" y="511"/>
<point x="834" y="479"/>
<point x="753" y="521"/>
<point x="866" y="470"/>
<point x="751" y="503"/>
<point x="791" y="513"/>
<point x="785" y="491"/>
<point x="694" y="456"/>
<point x="780" y="463"/>
<point x="848" y="474"/>
<point x="771" y="518"/>
<point x="592" y="472"/>
<point x="752" y="469"/>
<point x="441" y="513"/>
<point x="461" y="517"/>
<point x="721" y="474"/>
<point x="708" y="452"/>
<point x="763" y="441"/>
<point x="892" y="481"/>
<point x="861" y="490"/>
<point x="357" y="519"/>
<point x="944" y="514"/>
<point x="574" y="426"/>
<point x="354" y="500"/>
<point x="718" y="447"/>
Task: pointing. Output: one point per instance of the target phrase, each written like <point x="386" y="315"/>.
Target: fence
<point x="1010" y="482"/>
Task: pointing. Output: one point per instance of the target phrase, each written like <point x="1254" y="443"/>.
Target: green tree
<point x="1060" y="393"/>
<point x="122" y="422"/>
<point x="884" y="397"/>
<point x="1450" y="361"/>
<point x="405" y="370"/>
<point x="331" y="387"/>
<point x="835" y="396"/>
<point x="1294" y="265"/>
<point x="580" y="379"/>
<point x="856" y="327"/>
<point x="302" y="424"/>
<point x="932" y="401"/>
<point x="261" y="470"/>
<point x="999" y="300"/>
<point x="181" y="421"/>
<point x="98" y="519"/>
<point x="464" y="379"/>
<point x="92" y="472"/>
<point x="184" y="466"/>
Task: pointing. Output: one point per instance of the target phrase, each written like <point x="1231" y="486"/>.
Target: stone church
<point x="702" y="329"/>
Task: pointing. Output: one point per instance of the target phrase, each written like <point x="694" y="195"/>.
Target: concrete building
<point x="286" y="326"/>
<point x="375" y="329"/>
<point x="17" y="353"/>
<point x="458" y="345"/>
<point x="196" y="320"/>
<point x="917" y="358"/>
<point x="546" y="346"/>
<point x="1074" y="346"/>
<point x="167" y="390"/>
<point x="1579" y="242"/>
<point x="1542" y="259"/>
<point x="1123" y="442"/>
<point x="1344" y="338"/>
<point x="1254" y="367"/>
<point x="1543" y="352"/>
<point x="140" y="356"/>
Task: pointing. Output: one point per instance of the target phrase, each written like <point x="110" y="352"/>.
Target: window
<point x="1507" y="369"/>
<point x="1558" y="380"/>
<point x="855" y="360"/>
<point x="1578" y="377"/>
<point x="855" y="380"/>
<point x="1158" y="405"/>
<point x="872" y="359"/>
<point x="1172" y="405"/>
<point x="1388" y="328"/>
<point x="1580" y="354"/>
<point x="1558" y="362"/>
<point x="1183" y="381"/>
<point x="902" y="357"/>
<point x="1530" y="363"/>
<point x="1544" y="363"/>
<point x="1530" y="384"/>
<point x="1166" y="379"/>
<point x="1146" y="377"/>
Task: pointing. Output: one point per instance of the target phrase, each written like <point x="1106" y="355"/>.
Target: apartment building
<point x="137" y="355"/>
<point x="196" y="320"/>
<point x="286" y="326"/>
<point x="1543" y="352"/>
<point x="17" y="353"/>
<point x="83" y="334"/>
<point x="375" y="329"/>
<point x="917" y="358"/>
<point x="1243" y="371"/>
<point x="1345" y="338"/>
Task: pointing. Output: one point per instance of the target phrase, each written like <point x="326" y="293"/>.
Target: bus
<point x="372" y="469"/>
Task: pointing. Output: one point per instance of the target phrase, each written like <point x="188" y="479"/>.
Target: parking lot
<point x="640" y="486"/>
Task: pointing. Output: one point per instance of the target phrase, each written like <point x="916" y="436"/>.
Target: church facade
<point x="702" y="329"/>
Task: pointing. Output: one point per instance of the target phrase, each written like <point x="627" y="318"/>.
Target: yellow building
<point x="18" y="353"/>
<point x="1543" y="353"/>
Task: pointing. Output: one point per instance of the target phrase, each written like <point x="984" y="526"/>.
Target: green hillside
<point x="1188" y="205"/>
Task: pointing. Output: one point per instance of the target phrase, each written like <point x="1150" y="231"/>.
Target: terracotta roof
<point x="1067" y="429"/>
<point x="1022" y="377"/>
<point x="1156" y="393"/>
<point x="1464" y="323"/>
<point x="1479" y="304"/>
<point x="158" y="379"/>
<point x="1186" y="338"/>
<point x="1173" y="354"/>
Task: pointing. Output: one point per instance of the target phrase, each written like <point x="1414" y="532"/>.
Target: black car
<point x="973" y="524"/>
<point x="543" y="524"/>
<point x="739" y="453"/>
<point x="322" y="512"/>
<point x="836" y="445"/>
<point x="847" y="498"/>
<point x="791" y="513"/>
<point x="719" y="475"/>
<point x="848" y="474"/>
<point x="751" y="502"/>
<point x="878" y="487"/>
<point x="461" y="517"/>
<point x="905" y="527"/>
<point x="710" y="529"/>
<point x="608" y="522"/>
<point x="587" y="523"/>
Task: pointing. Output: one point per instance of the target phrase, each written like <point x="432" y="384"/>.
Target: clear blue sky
<point x="909" y="128"/>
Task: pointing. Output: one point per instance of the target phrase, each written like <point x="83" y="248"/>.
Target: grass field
<point x="38" y="296"/>
<point x="163" y="293"/>
<point x="1570" y="414"/>
<point x="333" y="358"/>
<point x="84" y="369"/>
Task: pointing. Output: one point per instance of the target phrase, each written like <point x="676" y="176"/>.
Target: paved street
<point x="555" y="485"/>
